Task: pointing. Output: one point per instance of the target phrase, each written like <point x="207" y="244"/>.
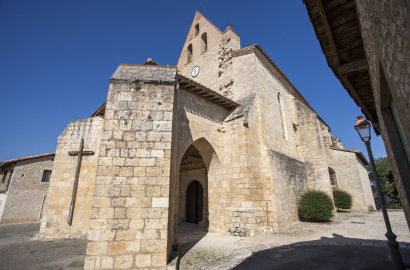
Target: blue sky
<point x="56" y="58"/>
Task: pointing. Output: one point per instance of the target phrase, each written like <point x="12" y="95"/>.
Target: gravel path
<point x="203" y="250"/>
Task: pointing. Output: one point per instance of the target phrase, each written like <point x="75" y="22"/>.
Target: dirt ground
<point x="201" y="250"/>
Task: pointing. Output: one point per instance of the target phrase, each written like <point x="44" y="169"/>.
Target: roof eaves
<point x="226" y="102"/>
<point x="333" y="66"/>
<point x="3" y="163"/>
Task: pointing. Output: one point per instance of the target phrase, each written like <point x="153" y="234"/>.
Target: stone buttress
<point x="129" y="215"/>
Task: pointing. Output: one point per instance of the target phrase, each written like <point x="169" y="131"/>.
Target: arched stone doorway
<point x="198" y="161"/>
<point x="194" y="202"/>
<point x="193" y="180"/>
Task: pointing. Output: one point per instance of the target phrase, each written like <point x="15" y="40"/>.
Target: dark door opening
<point x="194" y="202"/>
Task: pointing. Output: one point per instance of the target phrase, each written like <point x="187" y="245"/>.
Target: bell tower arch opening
<point x="197" y="29"/>
<point x="204" y="42"/>
<point x="189" y="54"/>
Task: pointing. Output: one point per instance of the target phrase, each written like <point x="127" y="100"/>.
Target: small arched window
<point x="332" y="176"/>
<point x="197" y="29"/>
<point x="189" y="53"/>
<point x="282" y="120"/>
<point x="204" y="42"/>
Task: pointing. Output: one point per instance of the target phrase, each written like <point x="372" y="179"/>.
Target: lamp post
<point x="363" y="128"/>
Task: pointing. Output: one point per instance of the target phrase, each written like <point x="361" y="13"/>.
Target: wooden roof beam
<point x="327" y="30"/>
<point x="352" y="92"/>
<point x="199" y="91"/>
<point x="357" y="65"/>
<point x="196" y="89"/>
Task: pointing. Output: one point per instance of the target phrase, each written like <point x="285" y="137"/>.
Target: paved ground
<point x="19" y="252"/>
<point x="351" y="241"/>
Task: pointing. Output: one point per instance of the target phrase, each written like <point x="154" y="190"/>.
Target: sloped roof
<point x="206" y="93"/>
<point x="9" y="162"/>
<point x="245" y="102"/>
<point x="100" y="111"/>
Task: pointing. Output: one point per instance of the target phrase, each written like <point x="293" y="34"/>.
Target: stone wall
<point x="278" y="118"/>
<point x="367" y="189"/>
<point x="26" y="191"/>
<point x="129" y="217"/>
<point x="248" y="174"/>
<point x="312" y="149"/>
<point x="385" y="31"/>
<point x="351" y="176"/>
<point x="289" y="180"/>
<point x="56" y="208"/>
<point x="3" y="198"/>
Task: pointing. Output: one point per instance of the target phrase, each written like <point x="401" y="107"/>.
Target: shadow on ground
<point x="339" y="253"/>
<point x="189" y="234"/>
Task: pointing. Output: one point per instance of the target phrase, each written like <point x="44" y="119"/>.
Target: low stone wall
<point x="245" y="220"/>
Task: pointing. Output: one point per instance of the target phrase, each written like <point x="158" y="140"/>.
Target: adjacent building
<point x="23" y="187"/>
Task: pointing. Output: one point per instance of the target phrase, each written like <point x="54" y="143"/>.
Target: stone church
<point x="223" y="140"/>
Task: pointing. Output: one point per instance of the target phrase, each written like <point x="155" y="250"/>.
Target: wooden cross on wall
<point x="80" y="153"/>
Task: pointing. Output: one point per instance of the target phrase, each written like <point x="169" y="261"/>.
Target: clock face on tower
<point x="195" y="71"/>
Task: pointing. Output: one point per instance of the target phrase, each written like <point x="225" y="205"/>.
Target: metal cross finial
<point x="80" y="153"/>
<point x="201" y="7"/>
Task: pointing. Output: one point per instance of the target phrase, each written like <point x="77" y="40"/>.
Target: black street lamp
<point x="363" y="128"/>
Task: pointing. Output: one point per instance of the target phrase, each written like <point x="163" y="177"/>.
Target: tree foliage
<point x="343" y="199"/>
<point x="387" y="184"/>
<point x="316" y="205"/>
